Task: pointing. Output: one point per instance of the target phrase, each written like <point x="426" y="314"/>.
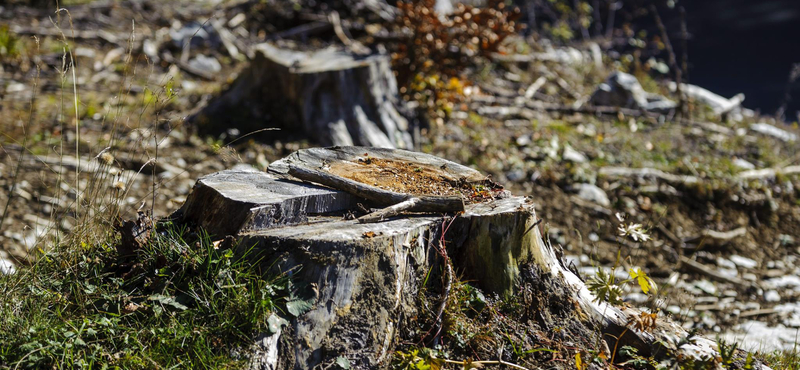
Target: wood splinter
<point x="390" y="211"/>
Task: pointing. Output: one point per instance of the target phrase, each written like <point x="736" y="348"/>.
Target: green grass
<point x="177" y="302"/>
<point x="782" y="360"/>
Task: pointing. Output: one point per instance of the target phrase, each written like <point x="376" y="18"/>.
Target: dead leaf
<point x="130" y="308"/>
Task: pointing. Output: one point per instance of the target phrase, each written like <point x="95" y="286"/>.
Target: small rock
<point x="206" y="64"/>
<point x="786" y="239"/>
<point x="198" y="33"/>
<point x="725" y="263"/>
<point x="237" y="20"/>
<point x="515" y="175"/>
<point x="638" y="298"/>
<point x="150" y="48"/>
<point x="772" y="296"/>
<point x="592" y="193"/>
<point x="573" y="155"/>
<point x="15" y="87"/>
<point x="7" y="267"/>
<point x="706" y="286"/>
<point x="674" y="309"/>
<point x="744" y="262"/>
<point x="731" y="273"/>
<point x="523" y="140"/>
<point x="786" y="281"/>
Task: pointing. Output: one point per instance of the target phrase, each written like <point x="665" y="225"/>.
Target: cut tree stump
<point x="331" y="96"/>
<point x="364" y="279"/>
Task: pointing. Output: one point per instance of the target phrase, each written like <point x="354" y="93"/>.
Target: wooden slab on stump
<point x="365" y="278"/>
<point x="231" y="202"/>
<point x="333" y="96"/>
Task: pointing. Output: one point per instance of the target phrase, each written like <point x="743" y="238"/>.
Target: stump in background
<point x="332" y="96"/>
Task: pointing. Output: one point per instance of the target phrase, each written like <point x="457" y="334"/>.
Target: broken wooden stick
<point x="712" y="273"/>
<point x="768" y="172"/>
<point x="390" y="211"/>
<point x="647" y="172"/>
<point x="378" y="195"/>
<point x="718" y="237"/>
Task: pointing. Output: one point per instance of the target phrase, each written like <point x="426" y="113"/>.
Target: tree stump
<point x="331" y="96"/>
<point x="363" y="279"/>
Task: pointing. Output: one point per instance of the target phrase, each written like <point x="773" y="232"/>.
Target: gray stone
<point x="515" y="175"/>
<point x="206" y="64"/>
<point x="194" y="32"/>
<point x="743" y="262"/>
<point x="592" y="193"/>
<point x="772" y="296"/>
<point x="573" y="155"/>
<point x="7" y="267"/>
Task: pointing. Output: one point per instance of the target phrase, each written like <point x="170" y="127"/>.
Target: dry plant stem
<point x="794" y="73"/>
<point x="445" y="295"/>
<point x="684" y="61"/>
<point x="381" y="196"/>
<point x="613" y="355"/>
<point x="355" y="46"/>
<point x="14" y="178"/>
<point x="75" y="101"/>
<point x="612" y="10"/>
<point x="673" y="62"/>
<point x="488" y="362"/>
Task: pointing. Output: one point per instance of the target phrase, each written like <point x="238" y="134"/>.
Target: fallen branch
<point x="768" y="172"/>
<point x="712" y="273"/>
<point x="77" y="34"/>
<point x="353" y="45"/>
<point x="713" y="127"/>
<point x="381" y="196"/>
<point x="535" y="86"/>
<point x="531" y="108"/>
<point x="720" y="237"/>
<point x="647" y="172"/>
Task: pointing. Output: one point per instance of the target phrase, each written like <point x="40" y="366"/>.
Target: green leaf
<point x="343" y="362"/>
<point x="167" y="300"/>
<point x="297" y="307"/>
